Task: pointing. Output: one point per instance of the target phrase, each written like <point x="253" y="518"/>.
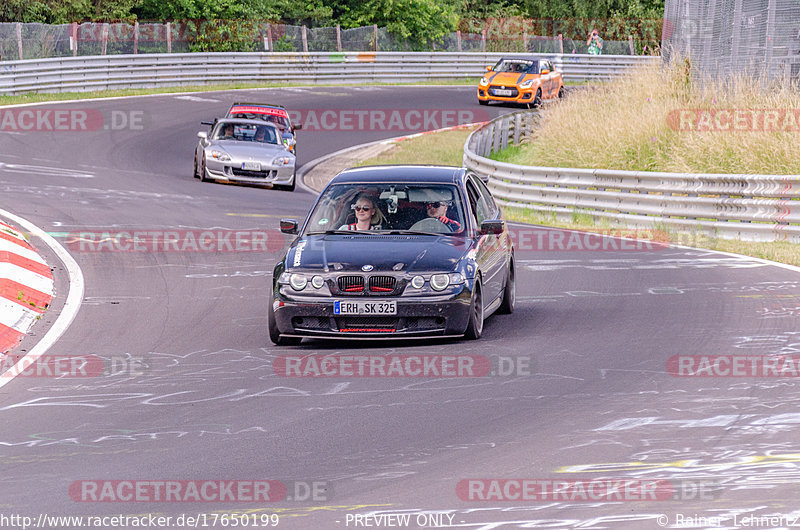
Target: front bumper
<point x="522" y="96"/>
<point x="231" y="172"/>
<point x="444" y="315"/>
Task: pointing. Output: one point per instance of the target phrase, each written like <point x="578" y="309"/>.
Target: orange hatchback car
<point x="522" y="81"/>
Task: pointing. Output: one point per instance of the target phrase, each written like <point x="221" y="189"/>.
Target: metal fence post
<point x="517" y="127"/>
<point x="560" y="43"/>
<point x="338" y="38"/>
<point x="483" y="40"/>
<point x="504" y="133"/>
<point x="105" y="39"/>
<point x="458" y="40"/>
<point x="375" y="30"/>
<point x="269" y="36"/>
<point x="525" y="40"/>
<point x="169" y="37"/>
<point x="74" y="38"/>
<point x="630" y="45"/>
<point x="304" y="38"/>
<point x="19" y="39"/>
<point x="136" y="37"/>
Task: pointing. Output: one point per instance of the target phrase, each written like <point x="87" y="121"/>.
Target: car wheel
<point x="482" y="102"/>
<point x="537" y="100"/>
<point x="561" y="93"/>
<point x="194" y="171"/>
<point x="510" y="292"/>
<point x="475" y="326"/>
<point x="274" y="334"/>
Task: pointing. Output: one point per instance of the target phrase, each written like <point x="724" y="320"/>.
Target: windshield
<point x="246" y="132"/>
<point x="411" y="208"/>
<point x="517" y="66"/>
<point x="281" y="121"/>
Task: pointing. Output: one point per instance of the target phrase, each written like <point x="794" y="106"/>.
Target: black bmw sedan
<point x="394" y="252"/>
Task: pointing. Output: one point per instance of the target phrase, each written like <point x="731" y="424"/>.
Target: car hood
<point x="256" y="151"/>
<point x="400" y="253"/>
<point x="509" y="78"/>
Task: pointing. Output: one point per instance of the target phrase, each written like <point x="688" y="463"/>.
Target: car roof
<point x="258" y="105"/>
<point x="401" y="173"/>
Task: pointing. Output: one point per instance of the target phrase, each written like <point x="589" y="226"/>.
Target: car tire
<point x="561" y="93"/>
<point x="274" y="334"/>
<point x="509" y="292"/>
<point x="475" y="325"/>
<point x="482" y="102"/>
<point x="194" y="164"/>
<point x="203" y="177"/>
<point x="288" y="187"/>
<point x="537" y="99"/>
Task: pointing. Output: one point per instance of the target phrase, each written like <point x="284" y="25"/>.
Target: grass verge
<point x="39" y="98"/>
<point x="447" y="148"/>
<point x="662" y="119"/>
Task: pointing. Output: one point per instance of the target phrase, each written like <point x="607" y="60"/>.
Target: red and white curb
<point x="74" y="288"/>
<point x="26" y="286"/>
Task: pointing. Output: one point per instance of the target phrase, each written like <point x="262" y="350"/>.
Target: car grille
<point x="351" y="284"/>
<point x="382" y="284"/>
<point x="514" y="92"/>
<point x="367" y="324"/>
<point x="253" y="174"/>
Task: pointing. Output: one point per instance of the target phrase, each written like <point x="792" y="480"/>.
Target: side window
<point x="479" y="209"/>
<point x="488" y="200"/>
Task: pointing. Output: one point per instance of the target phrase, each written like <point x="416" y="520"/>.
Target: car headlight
<point x="282" y="161"/>
<point x="222" y="156"/>
<point x="526" y="84"/>
<point x="439" y="282"/>
<point x="456" y="278"/>
<point x="484" y="81"/>
<point x="417" y="282"/>
<point x="298" y="282"/>
<point x="317" y="282"/>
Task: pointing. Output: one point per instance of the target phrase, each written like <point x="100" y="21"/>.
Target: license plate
<point x="346" y="307"/>
<point x="500" y="92"/>
<point x="252" y="166"/>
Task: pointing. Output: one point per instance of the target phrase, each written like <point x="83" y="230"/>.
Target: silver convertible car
<point x="247" y="151"/>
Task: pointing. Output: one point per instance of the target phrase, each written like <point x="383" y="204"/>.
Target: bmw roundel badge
<point x="367" y="268"/>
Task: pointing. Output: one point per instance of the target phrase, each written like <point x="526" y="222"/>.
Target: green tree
<point x="419" y="21"/>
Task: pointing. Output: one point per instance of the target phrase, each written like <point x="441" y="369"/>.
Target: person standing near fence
<point x="595" y="43"/>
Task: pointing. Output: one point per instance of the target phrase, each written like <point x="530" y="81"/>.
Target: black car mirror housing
<point x="289" y="226"/>
<point x="493" y="226"/>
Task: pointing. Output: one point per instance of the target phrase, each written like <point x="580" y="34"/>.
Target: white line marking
<point x="195" y="98"/>
<point x="71" y="306"/>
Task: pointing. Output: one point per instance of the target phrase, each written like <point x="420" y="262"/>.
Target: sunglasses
<point x="436" y="204"/>
<point x="362" y="208"/>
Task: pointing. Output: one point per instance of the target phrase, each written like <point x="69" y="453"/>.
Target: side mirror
<point x="492" y="226"/>
<point x="289" y="226"/>
<point x="202" y="135"/>
<point x="545" y="71"/>
<point x="298" y="126"/>
<point x="488" y="68"/>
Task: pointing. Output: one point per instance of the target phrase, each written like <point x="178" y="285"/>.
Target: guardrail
<point x="79" y="74"/>
<point x="748" y="207"/>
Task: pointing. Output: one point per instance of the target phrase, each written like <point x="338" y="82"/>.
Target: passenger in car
<point x="368" y="215"/>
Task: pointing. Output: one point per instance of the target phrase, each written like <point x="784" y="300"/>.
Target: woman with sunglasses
<point x="368" y="216"/>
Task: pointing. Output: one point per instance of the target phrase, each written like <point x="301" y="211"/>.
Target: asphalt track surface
<point x="599" y="325"/>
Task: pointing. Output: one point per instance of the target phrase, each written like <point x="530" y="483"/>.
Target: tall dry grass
<point x="623" y="124"/>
